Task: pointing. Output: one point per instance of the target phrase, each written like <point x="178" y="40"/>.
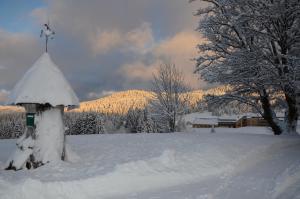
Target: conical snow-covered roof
<point x="43" y="83"/>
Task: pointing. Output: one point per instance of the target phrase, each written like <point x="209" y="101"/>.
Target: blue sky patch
<point x="15" y="14"/>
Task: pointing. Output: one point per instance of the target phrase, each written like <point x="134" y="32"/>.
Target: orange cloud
<point x="141" y="38"/>
<point x="138" y="71"/>
<point x="138" y="40"/>
<point x="105" y="41"/>
<point x="182" y="44"/>
<point x="179" y="49"/>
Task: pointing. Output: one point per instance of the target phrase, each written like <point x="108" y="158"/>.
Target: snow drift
<point x="180" y="165"/>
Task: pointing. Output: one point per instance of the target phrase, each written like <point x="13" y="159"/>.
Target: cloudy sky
<point x="101" y="46"/>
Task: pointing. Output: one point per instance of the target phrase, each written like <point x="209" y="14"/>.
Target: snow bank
<point x="179" y="165"/>
<point x="43" y="83"/>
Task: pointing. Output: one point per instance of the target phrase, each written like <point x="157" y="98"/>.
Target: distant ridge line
<point x="120" y="102"/>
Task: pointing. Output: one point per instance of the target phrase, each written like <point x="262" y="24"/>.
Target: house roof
<point x="43" y="83"/>
<point x="206" y="121"/>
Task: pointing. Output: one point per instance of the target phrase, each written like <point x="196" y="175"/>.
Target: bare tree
<point x="171" y="96"/>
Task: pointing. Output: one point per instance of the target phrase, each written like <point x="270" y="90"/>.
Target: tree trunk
<point x="289" y="91"/>
<point x="42" y="144"/>
<point x="171" y="125"/>
<point x="292" y="114"/>
<point x="268" y="114"/>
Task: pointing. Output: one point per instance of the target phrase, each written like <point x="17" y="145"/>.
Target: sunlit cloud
<point x="139" y="71"/>
<point x="138" y="40"/>
<point x="179" y="50"/>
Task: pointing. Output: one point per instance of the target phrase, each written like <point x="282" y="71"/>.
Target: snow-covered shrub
<point x="134" y="120"/>
<point x="84" y="123"/>
<point x="12" y="124"/>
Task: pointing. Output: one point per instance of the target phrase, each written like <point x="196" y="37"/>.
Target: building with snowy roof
<point x="205" y="122"/>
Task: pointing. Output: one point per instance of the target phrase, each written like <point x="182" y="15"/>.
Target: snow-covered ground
<point x="239" y="163"/>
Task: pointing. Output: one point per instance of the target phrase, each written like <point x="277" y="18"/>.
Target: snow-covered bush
<point x="135" y="120"/>
<point x="12" y="124"/>
<point x="141" y="121"/>
<point x="84" y="123"/>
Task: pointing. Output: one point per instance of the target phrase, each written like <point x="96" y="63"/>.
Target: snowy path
<point x="194" y="165"/>
<point x="265" y="174"/>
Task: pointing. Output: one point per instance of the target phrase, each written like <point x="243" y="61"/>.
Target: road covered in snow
<point x="231" y="163"/>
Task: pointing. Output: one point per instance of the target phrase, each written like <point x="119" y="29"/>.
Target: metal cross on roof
<point x="48" y="33"/>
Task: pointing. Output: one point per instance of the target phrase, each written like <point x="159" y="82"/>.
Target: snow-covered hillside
<point x="121" y="102"/>
<point x="5" y="109"/>
<point x="231" y="163"/>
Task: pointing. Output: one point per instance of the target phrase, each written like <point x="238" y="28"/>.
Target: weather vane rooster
<point x="48" y="33"/>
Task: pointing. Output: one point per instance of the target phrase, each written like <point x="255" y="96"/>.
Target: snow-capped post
<point x="212" y="130"/>
<point x="43" y="92"/>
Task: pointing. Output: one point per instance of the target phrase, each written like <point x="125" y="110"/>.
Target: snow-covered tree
<point x="12" y="124"/>
<point x="252" y="46"/>
<point x="135" y="120"/>
<point x="150" y="126"/>
<point x="278" y="22"/>
<point x="84" y="123"/>
<point x="171" y="96"/>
